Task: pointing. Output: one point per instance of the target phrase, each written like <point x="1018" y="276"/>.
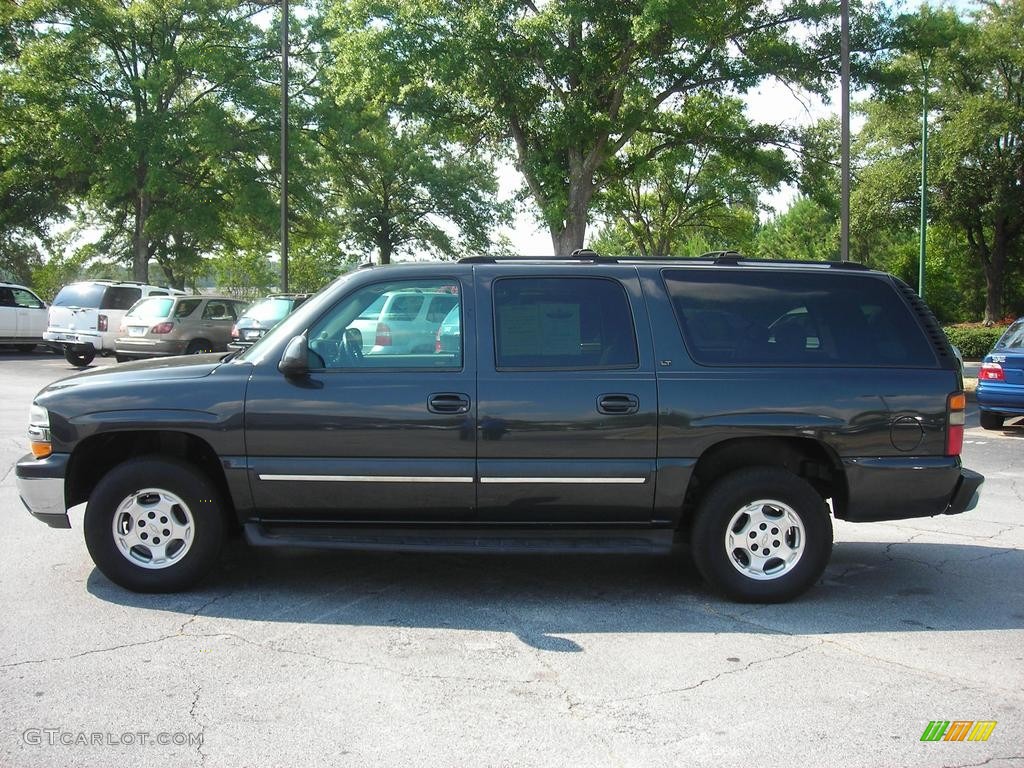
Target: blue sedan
<point x="1001" y="379"/>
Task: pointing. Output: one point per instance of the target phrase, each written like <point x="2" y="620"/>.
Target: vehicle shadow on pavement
<point x="868" y="587"/>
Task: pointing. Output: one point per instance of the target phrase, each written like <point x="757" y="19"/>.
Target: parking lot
<point x="304" y="658"/>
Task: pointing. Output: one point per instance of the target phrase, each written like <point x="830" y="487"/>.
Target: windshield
<point x="298" y="321"/>
<point x="268" y="310"/>
<point x="151" y="309"/>
<point x="80" y="295"/>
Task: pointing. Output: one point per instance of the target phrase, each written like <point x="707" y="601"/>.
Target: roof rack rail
<point x="734" y="258"/>
<point x="580" y="254"/>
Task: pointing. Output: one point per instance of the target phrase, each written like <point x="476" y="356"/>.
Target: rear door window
<point x="563" y="323"/>
<point x="120" y="297"/>
<point x="404" y="307"/>
<point x="731" y="317"/>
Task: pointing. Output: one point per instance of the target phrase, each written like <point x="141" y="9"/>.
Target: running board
<point x="459" y="540"/>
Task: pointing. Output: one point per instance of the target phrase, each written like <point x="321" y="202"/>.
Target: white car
<point x="403" y="322"/>
<point x="85" y="317"/>
<point x="22" y="317"/>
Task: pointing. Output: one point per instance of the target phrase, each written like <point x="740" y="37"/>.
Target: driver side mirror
<point x="295" y="360"/>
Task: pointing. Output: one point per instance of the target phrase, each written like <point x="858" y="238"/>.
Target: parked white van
<point x="22" y="317"/>
<point x="85" y="317"/>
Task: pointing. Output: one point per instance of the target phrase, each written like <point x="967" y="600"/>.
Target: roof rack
<point x="580" y="254"/>
<point x="734" y="258"/>
<point x="727" y="258"/>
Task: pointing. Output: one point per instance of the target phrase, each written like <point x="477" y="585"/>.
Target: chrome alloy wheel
<point x="153" y="528"/>
<point x="765" y="539"/>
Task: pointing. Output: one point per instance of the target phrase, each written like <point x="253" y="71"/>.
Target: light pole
<point x="925" y="64"/>
<point x="284" y="145"/>
<point x="844" y="140"/>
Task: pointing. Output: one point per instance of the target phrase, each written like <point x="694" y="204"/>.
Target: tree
<point x="369" y="182"/>
<point x="976" y="143"/>
<point x="160" y="104"/>
<point x="569" y="83"/>
<point x="707" y="182"/>
<point x="404" y="189"/>
<point x="806" y="231"/>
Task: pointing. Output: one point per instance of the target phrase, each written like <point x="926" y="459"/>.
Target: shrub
<point x="974" y="340"/>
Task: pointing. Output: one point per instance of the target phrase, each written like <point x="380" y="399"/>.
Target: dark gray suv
<point x="578" y="405"/>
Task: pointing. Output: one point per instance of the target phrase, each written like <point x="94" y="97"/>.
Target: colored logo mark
<point x="958" y="730"/>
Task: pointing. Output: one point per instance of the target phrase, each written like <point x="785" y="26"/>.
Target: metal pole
<point x="844" y="171"/>
<point x="924" y="179"/>
<point x="284" y="145"/>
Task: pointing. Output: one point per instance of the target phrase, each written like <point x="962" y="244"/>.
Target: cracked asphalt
<point x="318" y="658"/>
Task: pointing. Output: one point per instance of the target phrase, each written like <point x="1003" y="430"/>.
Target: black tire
<point x="198" y="347"/>
<point x="779" y="580"/>
<point x="990" y="420"/>
<point x="77" y="358"/>
<point x="200" y="506"/>
<point x="25" y="348"/>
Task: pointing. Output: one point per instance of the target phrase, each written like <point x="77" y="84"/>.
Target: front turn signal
<point x="39" y="432"/>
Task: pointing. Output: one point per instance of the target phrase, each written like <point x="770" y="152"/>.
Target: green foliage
<point x="706" y="185"/>
<point x="565" y="86"/>
<point x="974" y="341"/>
<point x="59" y="270"/>
<point x="975" y="73"/>
<point x="158" y="104"/>
<point x="244" y="269"/>
<point x="806" y="231"/>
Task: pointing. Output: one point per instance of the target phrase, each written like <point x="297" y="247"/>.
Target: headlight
<point x="39" y="431"/>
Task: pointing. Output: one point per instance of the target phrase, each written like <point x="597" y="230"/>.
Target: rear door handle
<point x="448" y="402"/>
<point x="618" y="404"/>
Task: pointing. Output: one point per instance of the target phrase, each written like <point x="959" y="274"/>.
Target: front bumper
<point x="897" y="488"/>
<point x="41" y="487"/>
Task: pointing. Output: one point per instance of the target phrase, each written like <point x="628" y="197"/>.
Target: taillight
<point x="101" y="323"/>
<point x="437" y="342"/>
<point x="234" y="331"/>
<point x="162" y="328"/>
<point x="956" y="417"/>
<point x="991" y="372"/>
<point x="383" y="335"/>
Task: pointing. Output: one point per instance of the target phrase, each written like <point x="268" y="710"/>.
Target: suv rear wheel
<point x="79" y="357"/>
<point x="154" y="525"/>
<point x="762" y="535"/>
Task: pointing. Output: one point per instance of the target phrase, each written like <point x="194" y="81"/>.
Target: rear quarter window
<point x="119" y="297"/>
<point x="731" y="317"/>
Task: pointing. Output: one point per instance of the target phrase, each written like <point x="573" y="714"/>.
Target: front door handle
<point x="618" y="404"/>
<point x="448" y="402"/>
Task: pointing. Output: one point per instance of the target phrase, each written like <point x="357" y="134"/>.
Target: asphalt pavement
<point x="289" y="658"/>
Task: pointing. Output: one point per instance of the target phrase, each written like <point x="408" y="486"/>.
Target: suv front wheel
<point x="154" y="525"/>
<point x="762" y="535"/>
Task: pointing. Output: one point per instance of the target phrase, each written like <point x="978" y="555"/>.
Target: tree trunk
<point x="140" y="243"/>
<point x="995" y="272"/>
<point x="384" y="250"/>
<point x="571" y="235"/>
